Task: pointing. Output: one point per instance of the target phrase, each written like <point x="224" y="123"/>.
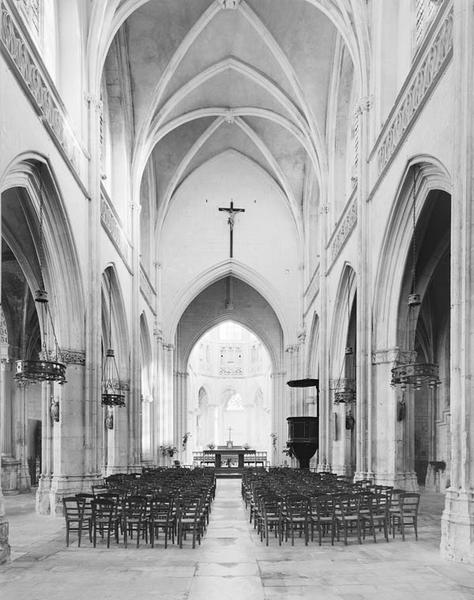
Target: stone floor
<point x="231" y="564"/>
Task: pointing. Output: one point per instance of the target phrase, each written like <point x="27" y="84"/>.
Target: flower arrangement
<point x="186" y="437"/>
<point x="168" y="449"/>
<point x="289" y="450"/>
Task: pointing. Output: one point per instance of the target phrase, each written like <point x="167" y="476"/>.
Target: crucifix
<point x="231" y="220"/>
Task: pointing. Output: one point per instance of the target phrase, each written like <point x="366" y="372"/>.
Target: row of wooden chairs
<point x="116" y="509"/>
<point x="333" y="508"/>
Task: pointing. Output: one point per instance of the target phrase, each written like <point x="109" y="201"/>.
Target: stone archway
<point x="393" y="457"/>
<point x="208" y="309"/>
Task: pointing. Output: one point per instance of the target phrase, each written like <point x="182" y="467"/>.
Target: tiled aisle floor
<point x="231" y="564"/>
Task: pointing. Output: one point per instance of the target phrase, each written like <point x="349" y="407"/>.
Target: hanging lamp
<point x="112" y="391"/>
<point x="409" y="371"/>
<point x="49" y="366"/>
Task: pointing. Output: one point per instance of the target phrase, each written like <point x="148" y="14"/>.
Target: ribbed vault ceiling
<point x="252" y="76"/>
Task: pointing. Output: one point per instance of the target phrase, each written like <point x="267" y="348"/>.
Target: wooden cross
<point x="231" y="221"/>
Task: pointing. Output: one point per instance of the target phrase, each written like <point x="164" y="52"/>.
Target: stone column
<point x="393" y="455"/>
<point x="23" y="481"/>
<point x="5" y="405"/>
<point x="168" y="393"/>
<point x="158" y="412"/>
<point x="4" y="545"/>
<point x="134" y="408"/>
<point x="325" y="400"/>
<point x="279" y="414"/>
<point x="363" y="412"/>
<point x="457" y="526"/>
<point x="63" y="421"/>
<point x="181" y="408"/>
<point x="43" y="501"/>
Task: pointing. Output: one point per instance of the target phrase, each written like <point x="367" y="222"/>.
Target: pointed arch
<point x="60" y="272"/>
<point x="226" y="268"/>
<point x="431" y="175"/>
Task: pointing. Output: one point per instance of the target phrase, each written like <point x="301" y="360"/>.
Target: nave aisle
<point x="231" y="563"/>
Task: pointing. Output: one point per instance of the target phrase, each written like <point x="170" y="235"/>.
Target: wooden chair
<point x="73" y="513"/>
<point x="105" y="520"/>
<point x="189" y="519"/>
<point x="295" y="517"/>
<point x="134" y="518"/>
<point x="347" y="517"/>
<point x="270" y="520"/>
<point x="407" y="514"/>
<point x="85" y="500"/>
<point x="161" y="518"/>
<point x="322" y="516"/>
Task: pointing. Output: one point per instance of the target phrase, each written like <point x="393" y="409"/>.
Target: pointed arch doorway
<point x="229" y="395"/>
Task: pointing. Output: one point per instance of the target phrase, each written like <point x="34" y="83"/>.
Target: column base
<point x="4" y="545"/>
<point x="457" y="526"/>
<point x="43" y="502"/>
<point x="323" y="467"/>
<point x="406" y="481"/>
<point x="344" y="470"/>
<point x="52" y="490"/>
<point x="363" y="475"/>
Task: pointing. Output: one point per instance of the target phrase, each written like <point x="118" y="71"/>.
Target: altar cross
<point x="231" y="220"/>
<point x="230" y="433"/>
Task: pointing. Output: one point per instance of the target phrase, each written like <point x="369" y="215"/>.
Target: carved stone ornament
<point x="344" y="230"/>
<point x="114" y="230"/>
<point x="421" y="83"/>
<point x="31" y="72"/>
<point x="109" y="419"/>
<point x="54" y="409"/>
<point x="73" y="357"/>
<point x="147" y="290"/>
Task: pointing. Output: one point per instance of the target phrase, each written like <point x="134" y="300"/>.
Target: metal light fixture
<point x="409" y="371"/>
<point x="345" y="390"/>
<point x="48" y="367"/>
<point x="112" y="392"/>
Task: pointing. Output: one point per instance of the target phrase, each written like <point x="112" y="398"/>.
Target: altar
<point x="226" y="456"/>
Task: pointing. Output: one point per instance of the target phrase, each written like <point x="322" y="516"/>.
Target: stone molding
<point x="343" y="230"/>
<point x="73" y="357"/>
<point x="31" y="11"/>
<point x="147" y="290"/>
<point x="19" y="49"/>
<point x="427" y="69"/>
<point x="114" y="229"/>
